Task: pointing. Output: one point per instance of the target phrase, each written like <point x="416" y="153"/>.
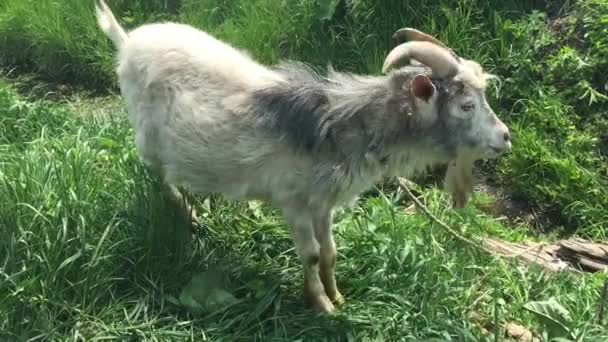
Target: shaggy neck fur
<point x="354" y="116"/>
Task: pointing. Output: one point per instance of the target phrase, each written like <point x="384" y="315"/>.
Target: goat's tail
<point x="109" y="25"/>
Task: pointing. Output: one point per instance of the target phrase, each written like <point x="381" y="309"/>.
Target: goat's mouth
<point x="499" y="151"/>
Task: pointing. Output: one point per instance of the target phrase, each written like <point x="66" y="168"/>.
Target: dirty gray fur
<point x="211" y="119"/>
<point x="345" y="113"/>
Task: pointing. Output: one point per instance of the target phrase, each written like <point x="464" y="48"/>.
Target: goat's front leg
<point x="328" y="254"/>
<point x="308" y="249"/>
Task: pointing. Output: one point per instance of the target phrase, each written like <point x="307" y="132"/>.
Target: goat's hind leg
<point x="328" y="254"/>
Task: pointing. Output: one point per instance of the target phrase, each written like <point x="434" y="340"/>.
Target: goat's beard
<point x="459" y="180"/>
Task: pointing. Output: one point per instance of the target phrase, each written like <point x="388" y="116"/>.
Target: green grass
<point x="89" y="250"/>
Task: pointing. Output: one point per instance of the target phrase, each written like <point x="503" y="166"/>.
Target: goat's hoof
<point x="194" y="219"/>
<point x="188" y="215"/>
<point x="193" y="214"/>
<point x="322" y="304"/>
<point x="337" y="298"/>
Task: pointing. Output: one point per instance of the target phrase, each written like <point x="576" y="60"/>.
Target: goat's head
<point x="473" y="130"/>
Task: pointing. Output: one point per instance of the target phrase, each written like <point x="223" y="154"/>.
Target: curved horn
<point x="437" y="58"/>
<point x="412" y="34"/>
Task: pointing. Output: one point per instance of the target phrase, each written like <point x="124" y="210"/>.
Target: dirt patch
<point x="506" y="205"/>
<point x="562" y="26"/>
<point x="512" y="207"/>
<point x="504" y="202"/>
<point x="569" y="29"/>
<point x="512" y="331"/>
<point x="542" y="218"/>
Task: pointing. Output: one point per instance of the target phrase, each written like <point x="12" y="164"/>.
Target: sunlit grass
<point x="89" y="250"/>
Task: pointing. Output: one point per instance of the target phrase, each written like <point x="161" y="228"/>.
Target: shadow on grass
<point x="165" y="256"/>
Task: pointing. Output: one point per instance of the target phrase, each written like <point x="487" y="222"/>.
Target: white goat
<point x="208" y="117"/>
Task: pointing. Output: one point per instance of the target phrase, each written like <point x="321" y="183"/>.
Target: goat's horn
<point x="437" y="58"/>
<point x="412" y="34"/>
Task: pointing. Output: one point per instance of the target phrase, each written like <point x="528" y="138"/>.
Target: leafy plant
<point x="205" y="294"/>
<point x="554" y="317"/>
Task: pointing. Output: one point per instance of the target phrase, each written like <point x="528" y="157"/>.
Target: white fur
<point x="184" y="90"/>
<point x="188" y="97"/>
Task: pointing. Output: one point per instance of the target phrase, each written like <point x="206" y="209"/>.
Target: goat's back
<point x="169" y="50"/>
<point x="188" y="96"/>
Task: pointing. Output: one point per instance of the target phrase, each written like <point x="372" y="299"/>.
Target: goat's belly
<point x="236" y="178"/>
<point x="275" y="192"/>
<point x="351" y="191"/>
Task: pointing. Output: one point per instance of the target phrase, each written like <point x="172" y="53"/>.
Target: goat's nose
<point x="507" y="136"/>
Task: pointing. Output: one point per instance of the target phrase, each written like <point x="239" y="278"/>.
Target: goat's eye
<point x="467" y="107"/>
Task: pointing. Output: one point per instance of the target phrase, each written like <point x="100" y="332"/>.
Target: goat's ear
<point x="422" y="88"/>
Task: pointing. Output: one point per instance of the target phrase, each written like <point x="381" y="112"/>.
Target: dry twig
<point x="403" y="185"/>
